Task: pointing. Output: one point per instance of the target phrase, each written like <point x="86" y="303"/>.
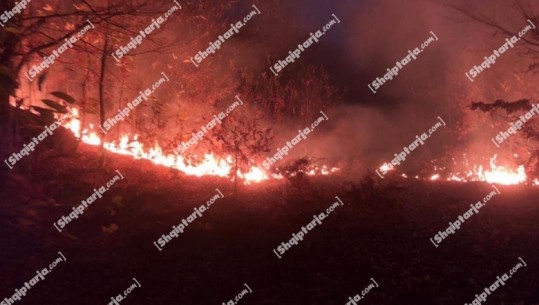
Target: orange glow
<point x="386" y="168"/>
<point x="254" y="175"/>
<point x="210" y="165"/>
<point x="501" y="175"/>
<point x="495" y="174"/>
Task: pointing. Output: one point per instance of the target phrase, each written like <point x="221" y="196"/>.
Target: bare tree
<point x="528" y="48"/>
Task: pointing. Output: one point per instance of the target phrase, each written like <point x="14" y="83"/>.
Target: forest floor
<point x="382" y="232"/>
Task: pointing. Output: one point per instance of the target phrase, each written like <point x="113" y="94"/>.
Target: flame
<point x="495" y="174"/>
<point x="324" y="171"/>
<point x="74" y="124"/>
<point x="91" y="138"/>
<point x="254" y="175"/>
<point x="386" y="168"/>
<point x="208" y="165"/>
<point x="454" y="177"/>
<point x="212" y="165"/>
<point x="502" y="175"/>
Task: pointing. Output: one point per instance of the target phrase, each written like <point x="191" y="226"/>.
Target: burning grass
<point x="382" y="231"/>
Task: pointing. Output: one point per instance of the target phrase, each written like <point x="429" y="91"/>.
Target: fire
<point x="496" y="174"/>
<point x="254" y="175"/>
<point x="222" y="167"/>
<point x="454" y="177"/>
<point x="209" y="165"/>
<point x="90" y="138"/>
<point x="386" y="168"/>
<point x="502" y="175"/>
<point x="322" y="171"/>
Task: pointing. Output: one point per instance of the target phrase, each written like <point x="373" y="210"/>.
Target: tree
<point x="42" y="27"/>
<point x="243" y="137"/>
<point x="528" y="48"/>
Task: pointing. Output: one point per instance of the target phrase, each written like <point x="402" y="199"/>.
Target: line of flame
<point x="210" y="165"/>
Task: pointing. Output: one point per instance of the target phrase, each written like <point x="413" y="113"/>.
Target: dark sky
<point x="374" y="34"/>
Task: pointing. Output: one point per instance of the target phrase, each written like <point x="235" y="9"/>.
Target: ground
<point x="381" y="232"/>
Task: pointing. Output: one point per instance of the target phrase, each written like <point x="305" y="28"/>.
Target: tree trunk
<point x="236" y="170"/>
<point x="102" y="90"/>
<point x="8" y="84"/>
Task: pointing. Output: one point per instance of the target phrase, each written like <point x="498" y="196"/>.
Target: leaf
<point x="46" y="114"/>
<point x="41" y="109"/>
<point x="110" y="229"/>
<point x="69" y="26"/>
<point x="69" y="235"/>
<point x="5" y="71"/>
<point x="40" y="80"/>
<point x="117" y="200"/>
<point x="90" y="105"/>
<point x="66" y="97"/>
<point x="55" y="105"/>
<point x="10" y="29"/>
<point x="19" y="102"/>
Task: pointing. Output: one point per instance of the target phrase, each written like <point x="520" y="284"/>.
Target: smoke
<point x="364" y="129"/>
<point x="374" y="35"/>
